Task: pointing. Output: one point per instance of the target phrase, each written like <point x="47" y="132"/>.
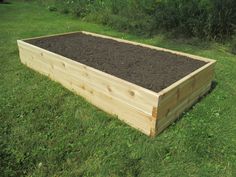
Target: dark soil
<point x="149" y="68"/>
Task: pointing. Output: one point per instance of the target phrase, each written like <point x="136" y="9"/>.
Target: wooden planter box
<point x="143" y="109"/>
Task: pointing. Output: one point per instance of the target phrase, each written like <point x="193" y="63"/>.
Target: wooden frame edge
<point x="172" y="86"/>
<point x="191" y="56"/>
<point x="22" y="45"/>
<point x="162" y="94"/>
<point x="153" y="130"/>
<point x="152" y="47"/>
<point x="94" y="69"/>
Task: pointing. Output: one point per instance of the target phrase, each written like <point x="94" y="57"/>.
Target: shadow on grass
<point x="4" y="2"/>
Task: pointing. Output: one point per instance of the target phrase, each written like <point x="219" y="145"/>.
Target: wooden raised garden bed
<point x="145" y="86"/>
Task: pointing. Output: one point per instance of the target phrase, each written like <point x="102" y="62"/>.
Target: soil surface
<point x="149" y="68"/>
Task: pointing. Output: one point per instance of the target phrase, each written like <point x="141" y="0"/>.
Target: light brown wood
<point x="175" y="95"/>
<point x="143" y="109"/>
<point x="131" y="42"/>
<point x="183" y="94"/>
<point x="112" y="95"/>
<point x="135" y="95"/>
<point x="165" y="121"/>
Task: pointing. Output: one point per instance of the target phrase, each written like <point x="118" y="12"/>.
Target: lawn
<point x="47" y="130"/>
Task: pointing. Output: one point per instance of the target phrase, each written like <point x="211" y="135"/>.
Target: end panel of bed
<point x="132" y="104"/>
<point x="180" y="96"/>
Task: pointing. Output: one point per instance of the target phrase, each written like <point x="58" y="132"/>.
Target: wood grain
<point x="143" y="109"/>
<point x="112" y="96"/>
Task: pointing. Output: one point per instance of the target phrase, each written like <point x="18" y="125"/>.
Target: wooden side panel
<point x="133" y="105"/>
<point x="141" y="98"/>
<point x="182" y="95"/>
<point x="141" y="108"/>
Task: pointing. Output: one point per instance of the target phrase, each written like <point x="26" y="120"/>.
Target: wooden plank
<point x="154" y="122"/>
<point x="167" y="91"/>
<point x="180" y="105"/>
<point x="163" y="123"/>
<point x="148" y="111"/>
<point x="139" y="97"/>
<point x="127" y="112"/>
<point x="181" y="95"/>
<point x="133" y="43"/>
<point x="176" y="94"/>
<point x="29" y="61"/>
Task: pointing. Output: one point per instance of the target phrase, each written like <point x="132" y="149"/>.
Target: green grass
<point x="47" y="130"/>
